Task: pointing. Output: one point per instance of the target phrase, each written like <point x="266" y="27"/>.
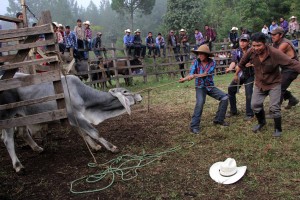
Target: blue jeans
<point x="200" y="101"/>
<point x="232" y="90"/>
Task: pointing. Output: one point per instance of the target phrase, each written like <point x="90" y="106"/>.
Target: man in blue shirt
<point x="273" y="26"/>
<point x="70" y="41"/>
<point x="128" y="41"/>
<point x="160" y="43"/>
<point x="203" y="72"/>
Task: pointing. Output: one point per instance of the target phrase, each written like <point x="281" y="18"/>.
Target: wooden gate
<point x="19" y="42"/>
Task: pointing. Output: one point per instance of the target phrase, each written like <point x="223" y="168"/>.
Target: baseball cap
<point x="245" y="37"/>
<point x="278" y="30"/>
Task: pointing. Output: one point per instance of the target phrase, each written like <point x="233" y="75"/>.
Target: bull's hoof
<point x="38" y="149"/>
<point x="19" y="168"/>
<point x="114" y="149"/>
<point x="97" y="148"/>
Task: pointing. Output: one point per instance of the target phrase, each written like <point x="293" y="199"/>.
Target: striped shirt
<point x="206" y="81"/>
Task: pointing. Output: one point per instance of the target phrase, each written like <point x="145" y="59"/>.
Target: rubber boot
<point x="277" y="126"/>
<point x="261" y="121"/>
<point x="292" y="102"/>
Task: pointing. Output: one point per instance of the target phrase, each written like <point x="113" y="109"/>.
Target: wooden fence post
<point x="115" y="64"/>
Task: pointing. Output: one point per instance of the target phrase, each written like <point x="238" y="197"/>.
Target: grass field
<point x="272" y="164"/>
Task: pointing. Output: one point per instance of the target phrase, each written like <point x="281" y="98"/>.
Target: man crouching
<point x="203" y="72"/>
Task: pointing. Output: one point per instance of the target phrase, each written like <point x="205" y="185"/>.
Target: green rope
<point x="125" y="166"/>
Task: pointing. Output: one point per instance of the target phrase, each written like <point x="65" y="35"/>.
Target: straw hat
<point x="234" y="29"/>
<point x="226" y="172"/>
<point x="182" y="30"/>
<point x="87" y="22"/>
<point x="60" y="25"/>
<point x="127" y="31"/>
<point x="203" y="49"/>
<point x="137" y="31"/>
<point x="293" y="17"/>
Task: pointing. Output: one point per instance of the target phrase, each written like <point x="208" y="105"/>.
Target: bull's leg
<point x="92" y="132"/>
<point x="91" y="142"/>
<point x="28" y="139"/>
<point x="8" y="139"/>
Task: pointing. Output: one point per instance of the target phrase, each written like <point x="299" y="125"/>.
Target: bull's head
<point x="126" y="97"/>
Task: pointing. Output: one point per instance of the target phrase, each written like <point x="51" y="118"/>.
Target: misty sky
<point x="4" y="4"/>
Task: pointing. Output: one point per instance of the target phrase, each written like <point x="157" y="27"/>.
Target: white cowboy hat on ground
<point x="226" y="172"/>
<point x="87" y="22"/>
<point x="127" y="31"/>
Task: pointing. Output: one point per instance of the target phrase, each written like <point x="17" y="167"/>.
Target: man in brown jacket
<point x="267" y="61"/>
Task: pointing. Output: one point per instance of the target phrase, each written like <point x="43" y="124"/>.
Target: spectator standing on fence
<point x="284" y="24"/>
<point x="245" y="76"/>
<point x="150" y="43"/>
<point x="79" y="32"/>
<point x="160" y="44"/>
<point x="128" y="41"/>
<point x="139" y="48"/>
<point x="98" y="49"/>
<point x="287" y="75"/>
<point x="199" y="38"/>
<point x="267" y="61"/>
<point x="210" y="36"/>
<point x="173" y="43"/>
<point x="293" y="27"/>
<point x="87" y="38"/>
<point x="233" y="37"/>
<point x="203" y="72"/>
<point x="185" y="46"/>
<point x="71" y="43"/>
<point x="273" y="26"/>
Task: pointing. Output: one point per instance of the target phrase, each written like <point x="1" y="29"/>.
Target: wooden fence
<point x="20" y="42"/>
<point x="151" y="65"/>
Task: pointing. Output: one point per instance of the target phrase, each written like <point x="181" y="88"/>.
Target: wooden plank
<point x="31" y="101"/>
<point x="28" y="45"/>
<point x="28" y="63"/>
<point x="12" y="39"/>
<point x="34" y="119"/>
<point x="24" y="32"/>
<point x="7" y="58"/>
<point x="10" y="19"/>
<point x="30" y="80"/>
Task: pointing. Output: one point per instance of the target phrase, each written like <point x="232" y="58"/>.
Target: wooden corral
<point x="18" y="44"/>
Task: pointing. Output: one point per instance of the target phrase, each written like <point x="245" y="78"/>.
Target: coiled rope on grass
<point x="124" y="166"/>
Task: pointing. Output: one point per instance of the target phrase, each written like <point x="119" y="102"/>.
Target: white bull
<point x="85" y="106"/>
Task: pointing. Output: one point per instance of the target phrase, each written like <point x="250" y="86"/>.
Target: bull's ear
<point x="124" y="101"/>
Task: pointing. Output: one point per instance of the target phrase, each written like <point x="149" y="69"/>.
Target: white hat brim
<point x="214" y="173"/>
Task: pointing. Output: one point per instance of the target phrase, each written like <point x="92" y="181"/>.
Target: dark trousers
<point x="232" y="90"/>
<point x="140" y="50"/>
<point x="287" y="78"/>
<point x="80" y="45"/>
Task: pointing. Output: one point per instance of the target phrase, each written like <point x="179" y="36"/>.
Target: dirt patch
<point x="65" y="157"/>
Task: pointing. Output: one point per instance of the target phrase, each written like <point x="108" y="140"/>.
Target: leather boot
<point x="261" y="121"/>
<point x="292" y="102"/>
<point x="277" y="126"/>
